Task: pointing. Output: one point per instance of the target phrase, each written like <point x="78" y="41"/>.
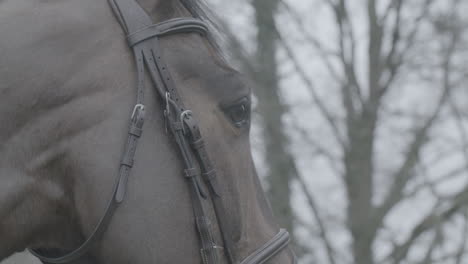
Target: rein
<point x="143" y="38"/>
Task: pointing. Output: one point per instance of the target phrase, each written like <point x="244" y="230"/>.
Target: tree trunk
<point x="281" y="166"/>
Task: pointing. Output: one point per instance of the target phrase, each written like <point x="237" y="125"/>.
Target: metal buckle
<point x="185" y="114"/>
<point x="212" y="247"/>
<point x="167" y="111"/>
<point x="136" y="108"/>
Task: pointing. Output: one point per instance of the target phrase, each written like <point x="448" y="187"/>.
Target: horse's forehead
<point x="191" y="58"/>
<point x="61" y="36"/>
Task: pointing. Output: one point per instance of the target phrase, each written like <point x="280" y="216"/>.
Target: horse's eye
<point x="239" y="112"/>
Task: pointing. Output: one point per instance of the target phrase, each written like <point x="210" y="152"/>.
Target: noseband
<point x="143" y="38"/>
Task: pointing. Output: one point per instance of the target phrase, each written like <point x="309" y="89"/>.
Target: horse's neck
<point x="28" y="204"/>
<point x="13" y="189"/>
<point x="24" y="206"/>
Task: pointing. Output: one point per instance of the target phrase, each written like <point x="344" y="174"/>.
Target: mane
<point x="199" y="9"/>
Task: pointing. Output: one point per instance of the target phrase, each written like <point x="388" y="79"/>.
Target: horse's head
<point x="68" y="88"/>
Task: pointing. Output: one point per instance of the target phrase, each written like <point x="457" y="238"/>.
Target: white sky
<point x="415" y="93"/>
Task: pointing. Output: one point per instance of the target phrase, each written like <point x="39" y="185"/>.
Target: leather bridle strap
<point x="211" y="179"/>
<point x="269" y="250"/>
<point x="168" y="27"/>
<point x="143" y="38"/>
<point x="118" y="191"/>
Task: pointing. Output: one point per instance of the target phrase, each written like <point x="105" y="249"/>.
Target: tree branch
<point x="433" y="219"/>
<point x="316" y="44"/>
<point x="351" y="89"/>
<point x="316" y="98"/>
<point x="318" y="218"/>
<point x="404" y="174"/>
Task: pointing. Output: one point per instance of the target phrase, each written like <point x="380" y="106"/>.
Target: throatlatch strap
<point x="118" y="192"/>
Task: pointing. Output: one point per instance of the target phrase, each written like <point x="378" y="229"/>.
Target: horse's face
<point x="67" y="90"/>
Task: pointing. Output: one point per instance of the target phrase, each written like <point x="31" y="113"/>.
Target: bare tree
<point x="262" y="68"/>
<point x="281" y="167"/>
<point x="391" y="144"/>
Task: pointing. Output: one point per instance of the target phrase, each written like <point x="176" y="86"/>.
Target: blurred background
<point x="360" y="129"/>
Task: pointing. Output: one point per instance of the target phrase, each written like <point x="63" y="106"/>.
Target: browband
<point x="169" y="27"/>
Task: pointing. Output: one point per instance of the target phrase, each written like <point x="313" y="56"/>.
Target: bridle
<point x="143" y="38"/>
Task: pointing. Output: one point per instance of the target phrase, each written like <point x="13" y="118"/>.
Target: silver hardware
<point x="214" y="246"/>
<point x="136" y="108"/>
<point x="167" y="111"/>
<point x="183" y="116"/>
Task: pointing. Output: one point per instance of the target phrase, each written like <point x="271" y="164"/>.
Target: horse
<point x="67" y="94"/>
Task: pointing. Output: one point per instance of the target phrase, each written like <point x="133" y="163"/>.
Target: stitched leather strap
<point x="118" y="192"/>
<point x="270" y="249"/>
<point x="211" y="179"/>
<point x="142" y="36"/>
<point x="173" y="26"/>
